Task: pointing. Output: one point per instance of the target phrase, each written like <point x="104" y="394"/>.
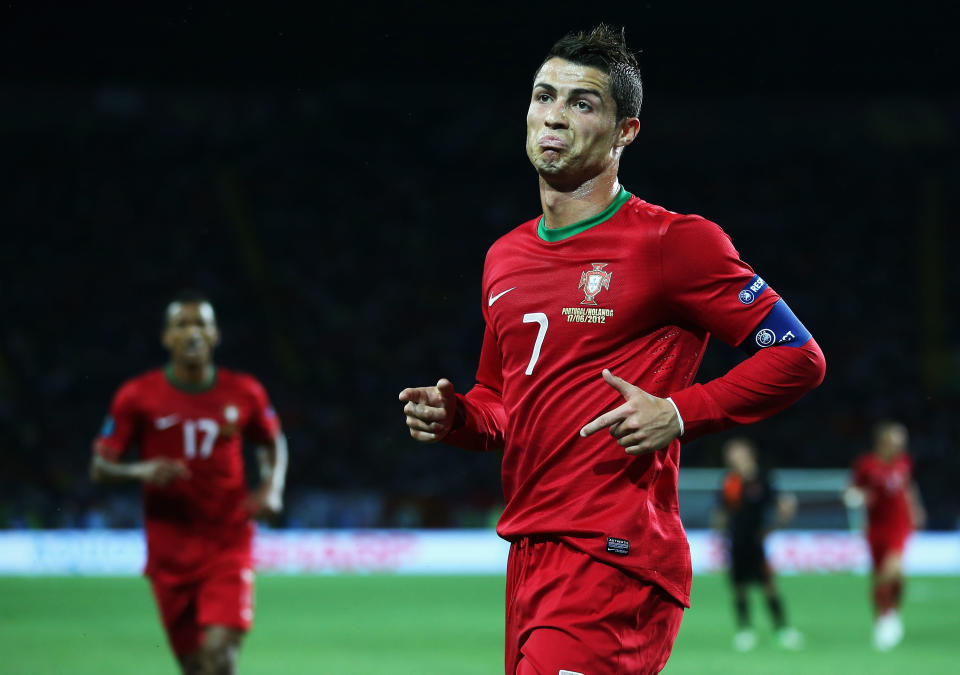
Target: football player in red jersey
<point x="189" y="421"/>
<point x="882" y="481"/>
<point x="597" y="314"/>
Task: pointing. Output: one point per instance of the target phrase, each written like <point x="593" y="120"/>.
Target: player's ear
<point x="166" y="340"/>
<point x="627" y="130"/>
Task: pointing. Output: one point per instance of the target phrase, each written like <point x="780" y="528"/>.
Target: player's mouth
<point x="193" y="347"/>
<point x="554" y="143"/>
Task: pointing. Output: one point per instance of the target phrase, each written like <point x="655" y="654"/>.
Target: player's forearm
<point x="764" y="384"/>
<point x="106" y="472"/>
<point x="786" y="508"/>
<point x="918" y="514"/>
<point x="480" y="421"/>
<point x="273" y="460"/>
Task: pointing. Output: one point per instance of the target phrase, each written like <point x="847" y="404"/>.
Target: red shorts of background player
<point x="569" y="613"/>
<point x="883" y="543"/>
<point x="223" y="597"/>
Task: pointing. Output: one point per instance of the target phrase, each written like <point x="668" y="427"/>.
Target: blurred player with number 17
<point x="189" y="421"/>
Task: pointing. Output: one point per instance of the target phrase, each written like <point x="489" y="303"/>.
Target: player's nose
<point x="556" y="116"/>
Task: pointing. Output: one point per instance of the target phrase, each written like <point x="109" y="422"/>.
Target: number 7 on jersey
<point x="540" y="318"/>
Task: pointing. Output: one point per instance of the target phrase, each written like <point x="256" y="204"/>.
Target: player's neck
<point x="191" y="375"/>
<point x="563" y="207"/>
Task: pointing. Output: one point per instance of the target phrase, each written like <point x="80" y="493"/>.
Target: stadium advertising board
<point x="438" y="552"/>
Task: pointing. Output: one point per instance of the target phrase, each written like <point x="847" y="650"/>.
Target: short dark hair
<point x="605" y="48"/>
<point x="190" y="297"/>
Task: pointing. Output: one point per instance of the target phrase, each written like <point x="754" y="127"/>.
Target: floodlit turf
<point x="834" y="615"/>
<point x="383" y="625"/>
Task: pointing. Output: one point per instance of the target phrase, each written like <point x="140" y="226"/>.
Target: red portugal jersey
<point x="193" y="522"/>
<point x="886" y="485"/>
<point x="636" y="289"/>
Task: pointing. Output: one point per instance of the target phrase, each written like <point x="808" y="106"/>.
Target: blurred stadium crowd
<point x="340" y="228"/>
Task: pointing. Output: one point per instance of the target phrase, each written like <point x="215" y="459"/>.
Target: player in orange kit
<point x="747" y="501"/>
<point x="882" y="481"/>
<point x="189" y="421"/>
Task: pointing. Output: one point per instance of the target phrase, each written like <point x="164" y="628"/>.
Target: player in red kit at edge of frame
<point x="597" y="315"/>
<point x="882" y="481"/>
<point x="189" y="421"/>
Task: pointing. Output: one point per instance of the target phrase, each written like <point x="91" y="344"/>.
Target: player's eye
<point x="583" y="106"/>
<point x="543" y="98"/>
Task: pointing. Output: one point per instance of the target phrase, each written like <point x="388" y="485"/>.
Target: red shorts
<point x="224" y="597"/>
<point x="569" y="613"/>
<point x="884" y="543"/>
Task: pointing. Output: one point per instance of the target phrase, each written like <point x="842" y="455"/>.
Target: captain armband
<point x="780" y="328"/>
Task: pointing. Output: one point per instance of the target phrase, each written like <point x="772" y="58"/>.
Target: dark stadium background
<point x="332" y="176"/>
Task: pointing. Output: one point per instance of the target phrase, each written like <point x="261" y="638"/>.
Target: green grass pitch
<point x="386" y="625"/>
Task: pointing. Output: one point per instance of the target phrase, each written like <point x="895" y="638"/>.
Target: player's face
<point x="893" y="441"/>
<point x="572" y="131"/>
<point x="740" y="457"/>
<point x="191" y="333"/>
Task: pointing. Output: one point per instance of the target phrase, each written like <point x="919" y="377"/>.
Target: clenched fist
<point x="430" y="410"/>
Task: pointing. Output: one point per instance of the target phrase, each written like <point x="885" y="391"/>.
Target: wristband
<point x="679" y="417"/>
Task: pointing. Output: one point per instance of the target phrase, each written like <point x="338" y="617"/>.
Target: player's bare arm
<point x="719" y="519"/>
<point x="267" y="500"/>
<point x="918" y="514"/>
<point x="159" y="471"/>
<point x="643" y="424"/>
<point x="430" y="411"/>
<point x="786" y="508"/>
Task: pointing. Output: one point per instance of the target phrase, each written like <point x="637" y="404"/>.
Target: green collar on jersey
<point x="561" y="233"/>
<point x="208" y="382"/>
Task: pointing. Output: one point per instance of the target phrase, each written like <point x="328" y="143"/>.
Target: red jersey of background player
<point x="202" y="519"/>
<point x="636" y="289"/>
<point x="887" y="486"/>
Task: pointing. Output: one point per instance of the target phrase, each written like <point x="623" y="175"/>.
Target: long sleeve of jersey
<point x="481" y="419"/>
<point x="762" y="385"/>
<point x="264" y="425"/>
<point x="707" y="277"/>
<point x="121" y="427"/>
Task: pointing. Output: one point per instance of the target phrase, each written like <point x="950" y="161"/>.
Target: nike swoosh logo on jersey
<point x="494" y="298"/>
<point x="167" y="422"/>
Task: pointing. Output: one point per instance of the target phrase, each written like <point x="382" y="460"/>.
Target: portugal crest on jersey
<point x="593" y="281"/>
<point x="231" y="415"/>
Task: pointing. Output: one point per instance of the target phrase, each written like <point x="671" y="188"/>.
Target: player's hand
<point x="853" y="498"/>
<point x="264" y="502"/>
<point x="786" y="508"/>
<point x="430" y="410"/>
<point x="643" y="424"/>
<point x="163" y="470"/>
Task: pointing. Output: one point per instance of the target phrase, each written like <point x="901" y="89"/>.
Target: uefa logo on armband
<point x="765" y="338"/>
<point x="752" y="290"/>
